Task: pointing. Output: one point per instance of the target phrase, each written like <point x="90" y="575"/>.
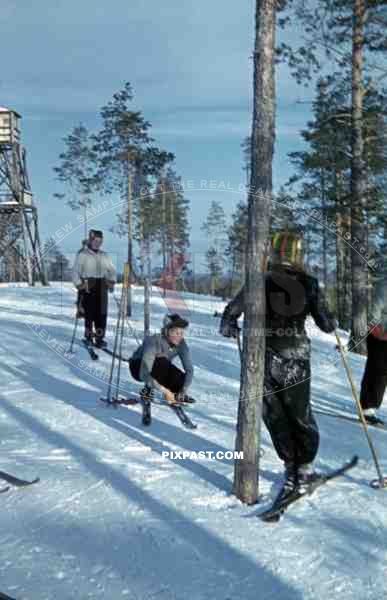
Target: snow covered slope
<point x="113" y="519"/>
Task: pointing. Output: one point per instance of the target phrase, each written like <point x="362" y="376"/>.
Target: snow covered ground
<point x="113" y="519"/>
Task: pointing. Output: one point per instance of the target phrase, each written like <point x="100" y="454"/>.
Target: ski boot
<point x="100" y="343"/>
<point x="372" y="418"/>
<point x="146" y="396"/>
<point x="184" y="399"/>
<point x="306" y="477"/>
<point x="290" y="485"/>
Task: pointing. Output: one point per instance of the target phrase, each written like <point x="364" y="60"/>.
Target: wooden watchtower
<point x="20" y="251"/>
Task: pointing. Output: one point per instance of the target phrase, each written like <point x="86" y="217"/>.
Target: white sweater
<point x="97" y="265"/>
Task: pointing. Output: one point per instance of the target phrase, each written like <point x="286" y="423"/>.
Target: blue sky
<point x="190" y="67"/>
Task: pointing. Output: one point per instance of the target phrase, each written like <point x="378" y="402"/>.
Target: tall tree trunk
<point x="130" y="233"/>
<point x="347" y="272"/>
<point x="147" y="287"/>
<point x="384" y="266"/>
<point x="173" y="228"/>
<point x="144" y="245"/>
<point x="164" y="239"/>
<point x="358" y="187"/>
<point x="324" y="232"/>
<point x="246" y="478"/>
<point x="340" y="267"/>
<point x="341" y="250"/>
<point x="172" y="234"/>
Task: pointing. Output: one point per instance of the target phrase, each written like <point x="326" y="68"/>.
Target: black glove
<point x="110" y="286"/>
<point x="229" y="329"/>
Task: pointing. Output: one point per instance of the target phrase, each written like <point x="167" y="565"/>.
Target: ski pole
<point x="381" y="482"/>
<point x="239" y="341"/>
<point x="74" y="331"/>
<point x="124" y="304"/>
<point x="128" y="322"/>
<point x="108" y="398"/>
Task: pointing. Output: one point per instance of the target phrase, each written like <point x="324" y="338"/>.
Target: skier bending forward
<point x="291" y="295"/>
<point x="152" y="362"/>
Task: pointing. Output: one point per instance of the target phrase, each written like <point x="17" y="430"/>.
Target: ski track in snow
<point x="111" y="518"/>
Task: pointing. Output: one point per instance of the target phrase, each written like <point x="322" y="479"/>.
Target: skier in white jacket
<point x="93" y="275"/>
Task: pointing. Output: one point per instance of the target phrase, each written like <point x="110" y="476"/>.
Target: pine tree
<point x="237" y="239"/>
<point x="172" y="208"/>
<point x="246" y="150"/>
<point x="145" y="234"/>
<point x="123" y="147"/>
<point x="177" y="207"/>
<point x="323" y="171"/>
<point x="57" y="265"/>
<point x="352" y="32"/>
<point x="77" y="170"/>
<point x="284" y="215"/>
<point x="215" y="229"/>
<point x="316" y="168"/>
<point x="237" y="231"/>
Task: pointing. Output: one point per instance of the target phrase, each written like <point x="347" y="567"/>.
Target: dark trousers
<point x="95" y="305"/>
<point x="163" y="371"/>
<point x="374" y="380"/>
<point x="286" y="409"/>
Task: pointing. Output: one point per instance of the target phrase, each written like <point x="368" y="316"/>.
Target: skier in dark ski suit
<point x="291" y="295"/>
<point x="374" y="382"/>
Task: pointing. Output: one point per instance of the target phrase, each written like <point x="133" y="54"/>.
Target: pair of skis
<point x="15" y="481"/>
<point x="184" y="418"/>
<point x="93" y="354"/>
<point x="177" y="409"/>
<point x="90" y="347"/>
<point x="274" y="513"/>
<point x="347" y="417"/>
